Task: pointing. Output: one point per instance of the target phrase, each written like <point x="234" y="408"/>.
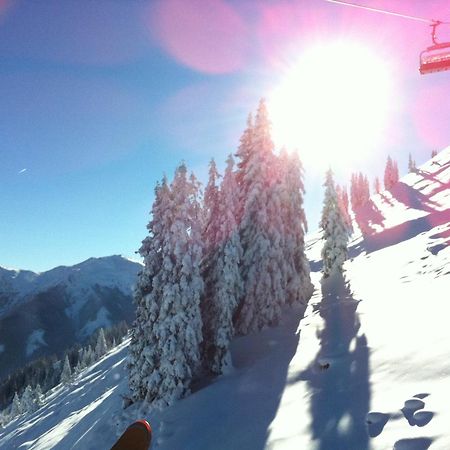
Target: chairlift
<point x="437" y="57"/>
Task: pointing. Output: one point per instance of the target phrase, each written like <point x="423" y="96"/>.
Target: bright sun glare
<point x="333" y="105"/>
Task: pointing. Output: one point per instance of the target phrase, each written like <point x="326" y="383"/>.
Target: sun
<point x="333" y="105"/>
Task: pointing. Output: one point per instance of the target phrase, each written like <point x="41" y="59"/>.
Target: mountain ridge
<point x="44" y="313"/>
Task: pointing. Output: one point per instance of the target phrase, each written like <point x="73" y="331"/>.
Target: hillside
<point x="45" y="313"/>
<point x="366" y="367"/>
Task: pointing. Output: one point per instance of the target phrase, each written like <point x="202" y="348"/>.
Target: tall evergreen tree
<point x="223" y="283"/>
<point x="411" y="164"/>
<point x="359" y="190"/>
<point x="260" y="236"/>
<point x="66" y="373"/>
<point x="243" y="154"/>
<point x="211" y="210"/>
<point x="38" y="395"/>
<point x="343" y="203"/>
<point x="391" y="175"/>
<point x="335" y="233"/>
<point x="433" y="153"/>
<point x="16" y="407"/>
<point x="166" y="336"/>
<point x="100" y="348"/>
<point x="28" y="401"/>
<point x="377" y="185"/>
<point x="298" y="286"/>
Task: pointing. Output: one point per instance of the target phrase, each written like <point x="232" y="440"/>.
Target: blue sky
<point x="98" y="99"/>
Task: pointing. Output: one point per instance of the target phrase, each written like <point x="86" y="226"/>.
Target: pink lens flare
<point x="207" y="36"/>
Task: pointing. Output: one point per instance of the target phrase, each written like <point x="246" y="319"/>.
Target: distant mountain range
<point x="45" y="313"/>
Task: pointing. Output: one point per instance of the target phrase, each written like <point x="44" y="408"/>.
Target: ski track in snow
<point x="366" y="368"/>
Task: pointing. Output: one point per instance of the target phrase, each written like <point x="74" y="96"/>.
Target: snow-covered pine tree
<point x="330" y="192"/>
<point x="88" y="356"/>
<point x="38" y="395"/>
<point x="4" y="419"/>
<point x="395" y="174"/>
<point x="391" y="175"/>
<point x="66" y="374"/>
<point x="16" y="407"/>
<point x="151" y="277"/>
<point x="80" y="364"/>
<point x="366" y="189"/>
<point x="335" y="232"/>
<point x="243" y="153"/>
<point x="260" y="235"/>
<point x="388" y="173"/>
<point x="100" y="348"/>
<point x="28" y="402"/>
<point x="298" y="286"/>
<point x="411" y="164"/>
<point x="377" y="185"/>
<point x="166" y="336"/>
<point x="223" y="282"/>
<point x="210" y="214"/>
<point x="342" y="196"/>
<point x="433" y="153"/>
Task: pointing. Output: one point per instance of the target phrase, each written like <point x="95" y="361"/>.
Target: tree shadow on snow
<point x="339" y="376"/>
<point x="236" y="410"/>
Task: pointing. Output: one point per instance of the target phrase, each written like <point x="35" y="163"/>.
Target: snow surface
<point x="366" y="368"/>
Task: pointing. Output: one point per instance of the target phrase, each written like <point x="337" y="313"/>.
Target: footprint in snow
<point x="421" y="443"/>
<point x="422" y="417"/>
<point x="412" y="405"/>
<point x="376" y="422"/>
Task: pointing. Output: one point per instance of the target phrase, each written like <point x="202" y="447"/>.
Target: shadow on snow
<point x="339" y="376"/>
<point x="235" y="411"/>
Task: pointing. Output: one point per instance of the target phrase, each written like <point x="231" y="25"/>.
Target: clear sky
<point x="99" y="98"/>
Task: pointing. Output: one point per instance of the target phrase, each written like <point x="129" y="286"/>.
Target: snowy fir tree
<point x="28" y="401"/>
<point x="343" y="203"/>
<point x="391" y="175"/>
<point x="359" y="190"/>
<point x="16" y="407"/>
<point x="330" y="193"/>
<point x="243" y="154"/>
<point x="260" y="232"/>
<point x="4" y="419"/>
<point x="411" y="164"/>
<point x="298" y="287"/>
<point x="223" y="282"/>
<point x="433" y="153"/>
<point x="211" y="209"/>
<point x="88" y="356"/>
<point x="335" y="232"/>
<point x="377" y="185"/>
<point x="100" y="348"/>
<point x="38" y="395"/>
<point x="66" y="374"/>
<point x="80" y="364"/>
<point x="166" y="335"/>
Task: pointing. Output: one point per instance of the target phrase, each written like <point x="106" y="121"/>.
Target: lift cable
<point x="391" y="13"/>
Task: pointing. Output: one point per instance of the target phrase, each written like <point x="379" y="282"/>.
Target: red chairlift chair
<point x="437" y="57"/>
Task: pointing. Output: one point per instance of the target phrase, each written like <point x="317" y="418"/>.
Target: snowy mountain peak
<point x="44" y="313"/>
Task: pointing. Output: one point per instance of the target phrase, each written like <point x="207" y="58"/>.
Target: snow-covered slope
<point x="367" y="366"/>
<point x="47" y="312"/>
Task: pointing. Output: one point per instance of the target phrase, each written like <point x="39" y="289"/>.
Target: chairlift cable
<point x="392" y="13"/>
